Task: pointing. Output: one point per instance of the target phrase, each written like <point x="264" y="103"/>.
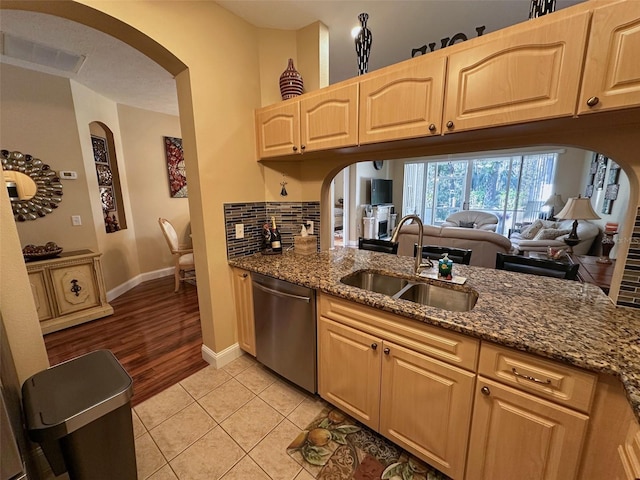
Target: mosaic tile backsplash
<point x="629" y="295"/>
<point x="289" y="218"/>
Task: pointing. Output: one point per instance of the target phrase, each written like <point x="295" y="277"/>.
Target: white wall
<point x="119" y="249"/>
<point x="620" y="205"/>
<point x="37" y="117"/>
<point x="147" y="174"/>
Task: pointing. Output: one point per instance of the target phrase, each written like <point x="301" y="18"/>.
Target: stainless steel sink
<point x="418" y="292"/>
<point x="375" y="282"/>
<point x="439" y="297"/>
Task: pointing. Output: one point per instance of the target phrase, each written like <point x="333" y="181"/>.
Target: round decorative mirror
<point x="34" y="189"/>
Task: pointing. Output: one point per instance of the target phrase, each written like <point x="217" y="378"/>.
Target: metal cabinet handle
<point x="593" y="101"/>
<point x="374" y="346"/>
<point x="485" y="391"/>
<point x="432" y="127"/>
<point x="449" y="124"/>
<point x="75" y="288"/>
<point x="245" y="275"/>
<point x="295" y="149"/>
<point x="303" y="147"/>
<point x="387" y="351"/>
<point x="531" y="379"/>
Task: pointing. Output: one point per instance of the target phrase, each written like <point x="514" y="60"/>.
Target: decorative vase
<point x="363" y="44"/>
<point x="539" y="8"/>
<point x="290" y="82"/>
<point x="607" y="245"/>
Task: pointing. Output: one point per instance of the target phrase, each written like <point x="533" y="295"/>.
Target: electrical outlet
<point x="239" y="230"/>
<point x="76" y="221"/>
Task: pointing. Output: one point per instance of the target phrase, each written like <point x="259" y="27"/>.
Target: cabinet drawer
<point x="555" y="381"/>
<point x="74" y="288"/>
<point x="454" y="348"/>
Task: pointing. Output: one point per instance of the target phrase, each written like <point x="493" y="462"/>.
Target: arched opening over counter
<point x="613" y="134"/>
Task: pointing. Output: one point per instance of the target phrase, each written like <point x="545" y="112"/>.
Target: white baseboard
<point x="137" y="280"/>
<point x="220" y="359"/>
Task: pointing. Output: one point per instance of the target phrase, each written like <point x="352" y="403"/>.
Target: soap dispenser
<point x="445" y="267"/>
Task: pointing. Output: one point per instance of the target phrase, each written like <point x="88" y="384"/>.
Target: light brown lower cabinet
<point x="243" y="299"/>
<point x="612" y="448"/>
<point x="419" y="402"/>
<point x="518" y="435"/>
<point x="474" y="410"/>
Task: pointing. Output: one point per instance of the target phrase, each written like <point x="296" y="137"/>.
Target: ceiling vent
<point x="28" y="51"/>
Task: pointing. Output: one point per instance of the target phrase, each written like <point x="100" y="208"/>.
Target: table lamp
<point x="576" y="209"/>
<point x="554" y="203"/>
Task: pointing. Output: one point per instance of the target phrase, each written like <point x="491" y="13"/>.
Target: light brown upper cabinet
<point x="320" y="120"/>
<point x="329" y="118"/>
<point x="404" y="101"/>
<point x="531" y="72"/>
<point x="612" y="64"/>
<point x="278" y="129"/>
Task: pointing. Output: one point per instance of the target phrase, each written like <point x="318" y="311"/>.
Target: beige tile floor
<point x="230" y="424"/>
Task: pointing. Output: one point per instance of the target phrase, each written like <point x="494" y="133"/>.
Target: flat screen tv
<point x="381" y="191"/>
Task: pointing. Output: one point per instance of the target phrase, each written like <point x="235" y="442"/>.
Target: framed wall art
<point x="612" y="192"/>
<point x="601" y="171"/>
<point x="614" y="173"/>
<point x="176" y="167"/>
<point x="589" y="191"/>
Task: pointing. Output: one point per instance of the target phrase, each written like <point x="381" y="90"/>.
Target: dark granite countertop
<point x="563" y="320"/>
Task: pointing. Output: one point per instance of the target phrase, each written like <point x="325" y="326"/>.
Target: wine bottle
<point x="276" y="238"/>
<point x="266" y="237"/>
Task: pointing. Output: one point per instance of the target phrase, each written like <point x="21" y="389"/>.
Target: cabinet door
<point x="329" y="119"/>
<point x="74" y="288"/>
<point x="278" y="129"/>
<point x="531" y="73"/>
<point x="403" y="102"/>
<point x="517" y="435"/>
<point x="349" y="370"/>
<point x="243" y="296"/>
<point x="425" y="407"/>
<point x="629" y="454"/>
<point x="40" y="295"/>
<point x="612" y="66"/>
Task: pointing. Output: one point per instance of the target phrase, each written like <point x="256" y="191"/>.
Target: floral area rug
<point x="336" y="447"/>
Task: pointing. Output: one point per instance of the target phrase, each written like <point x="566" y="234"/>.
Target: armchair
<point x="184" y="266"/>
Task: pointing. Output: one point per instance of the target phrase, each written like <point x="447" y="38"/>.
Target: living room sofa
<point x="472" y="219"/>
<point x="484" y="244"/>
<point x="556" y="232"/>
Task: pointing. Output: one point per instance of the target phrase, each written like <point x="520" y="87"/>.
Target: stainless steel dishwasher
<point x="285" y="322"/>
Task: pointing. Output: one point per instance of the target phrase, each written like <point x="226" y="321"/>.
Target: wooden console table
<point x="68" y="289"/>
<point x="591" y="271"/>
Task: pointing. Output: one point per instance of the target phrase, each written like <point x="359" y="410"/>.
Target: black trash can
<point x="79" y="411"/>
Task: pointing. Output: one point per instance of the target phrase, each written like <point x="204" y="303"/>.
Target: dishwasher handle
<point x="281" y="294"/>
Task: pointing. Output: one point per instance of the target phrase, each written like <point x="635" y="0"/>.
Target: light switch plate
<point x="239" y="230"/>
<point x="76" y="220"/>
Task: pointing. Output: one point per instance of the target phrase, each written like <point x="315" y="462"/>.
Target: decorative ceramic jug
<point x="363" y="44"/>
<point x="290" y="82"/>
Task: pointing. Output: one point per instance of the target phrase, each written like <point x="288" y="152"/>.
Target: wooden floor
<point x="154" y="333"/>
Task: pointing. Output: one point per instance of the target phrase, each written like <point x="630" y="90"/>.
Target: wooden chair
<point x="536" y="266"/>
<point x="461" y="256"/>
<point x="184" y="266"/>
<point x="376" y="245"/>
